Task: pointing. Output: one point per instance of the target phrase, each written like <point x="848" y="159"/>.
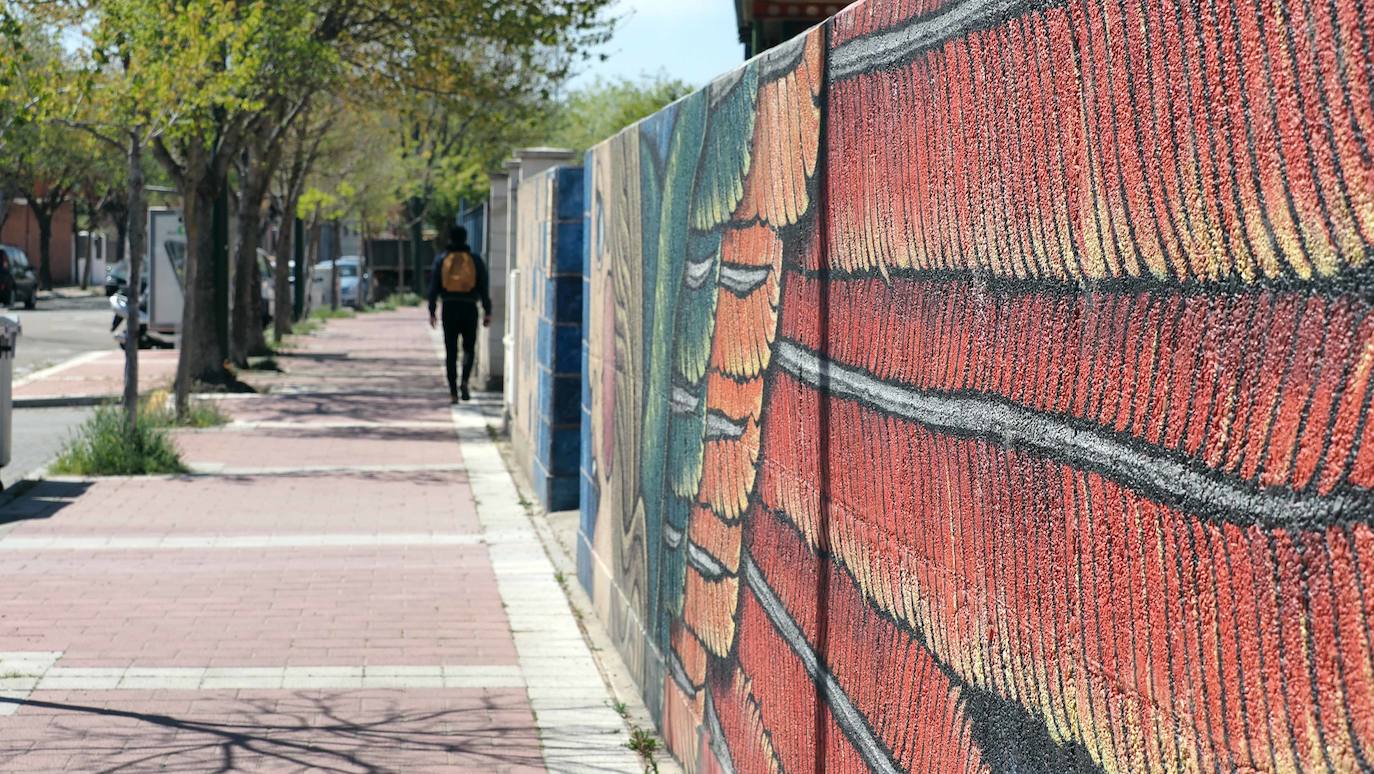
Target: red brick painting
<point x="985" y="386"/>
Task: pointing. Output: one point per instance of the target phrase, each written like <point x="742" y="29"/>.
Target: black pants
<point x="460" y="319"/>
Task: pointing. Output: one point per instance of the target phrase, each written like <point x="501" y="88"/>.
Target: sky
<point x="691" y="40"/>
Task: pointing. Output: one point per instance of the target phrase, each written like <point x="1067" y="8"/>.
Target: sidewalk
<point x="349" y="585"/>
<point x="93" y="378"/>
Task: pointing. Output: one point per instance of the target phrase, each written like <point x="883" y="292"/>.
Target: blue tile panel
<point x="556" y="290"/>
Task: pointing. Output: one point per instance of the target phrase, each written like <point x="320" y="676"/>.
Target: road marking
<point x="79" y="360"/>
<point x="23" y="673"/>
<point x="19" y="672"/>
<point x="175" y="542"/>
<point x="220" y="469"/>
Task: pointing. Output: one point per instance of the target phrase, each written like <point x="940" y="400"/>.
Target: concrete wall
<point x="491" y="355"/>
<point x="986" y="387"/>
<point x="525" y="164"/>
<point x="545" y="412"/>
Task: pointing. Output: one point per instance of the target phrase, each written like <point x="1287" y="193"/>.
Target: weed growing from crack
<point x="645" y="744"/>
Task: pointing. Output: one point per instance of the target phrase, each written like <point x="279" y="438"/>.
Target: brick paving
<point x="97" y="375"/>
<point x="328" y="595"/>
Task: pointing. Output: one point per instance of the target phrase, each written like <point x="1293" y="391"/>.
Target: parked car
<point x="354" y="284"/>
<point x="18" y="281"/>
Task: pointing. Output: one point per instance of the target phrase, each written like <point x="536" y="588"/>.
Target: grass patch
<point x="396" y="301"/>
<point x="160" y="409"/>
<point x="105" y="446"/>
<point x="306" y="327"/>
<point x="325" y="313"/>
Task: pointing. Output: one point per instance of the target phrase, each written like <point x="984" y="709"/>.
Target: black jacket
<point x="479" y="294"/>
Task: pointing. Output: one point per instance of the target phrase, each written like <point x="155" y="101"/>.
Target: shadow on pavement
<point x="304" y="730"/>
<point x="40" y="500"/>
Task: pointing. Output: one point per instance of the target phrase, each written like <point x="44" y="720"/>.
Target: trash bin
<point x="9" y="338"/>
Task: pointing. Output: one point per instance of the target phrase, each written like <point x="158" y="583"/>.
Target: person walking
<point x="459" y="277"/>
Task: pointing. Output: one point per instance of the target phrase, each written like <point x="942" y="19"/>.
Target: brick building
<point x="21" y="230"/>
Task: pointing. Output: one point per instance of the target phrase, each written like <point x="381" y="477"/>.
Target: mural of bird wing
<point x="665" y="204"/>
<point x="707" y="159"/>
<point x="774" y="194"/>
<point x="727" y="151"/>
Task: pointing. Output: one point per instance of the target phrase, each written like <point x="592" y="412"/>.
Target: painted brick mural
<point x="985" y="386"/>
<point x="545" y="412"/>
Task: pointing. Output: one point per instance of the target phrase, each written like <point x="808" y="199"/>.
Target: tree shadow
<point x="33" y="500"/>
<point x="309" y="730"/>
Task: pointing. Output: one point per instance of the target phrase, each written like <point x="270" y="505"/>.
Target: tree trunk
<point x="44" y="218"/>
<point x="136" y="226"/>
<point x="286" y="245"/>
<point x="334" y="271"/>
<point x="246" y="336"/>
<point x="200" y="357"/>
<point x="312" y="257"/>
<point x="365" y="277"/>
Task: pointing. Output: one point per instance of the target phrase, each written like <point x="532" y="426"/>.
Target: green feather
<point x="726" y="152"/>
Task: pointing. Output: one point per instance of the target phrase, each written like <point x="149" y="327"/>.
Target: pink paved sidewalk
<point x="335" y="610"/>
<point x="99" y="375"/>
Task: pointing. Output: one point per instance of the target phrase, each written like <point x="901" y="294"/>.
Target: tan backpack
<point x="459" y="272"/>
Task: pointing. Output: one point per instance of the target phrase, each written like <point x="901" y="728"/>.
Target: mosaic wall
<point x="985" y="386"/>
<point x="545" y="411"/>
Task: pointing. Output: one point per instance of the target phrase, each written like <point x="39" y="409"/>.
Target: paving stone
<point x="352" y="587"/>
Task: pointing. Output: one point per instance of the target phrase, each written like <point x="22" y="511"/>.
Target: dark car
<point x="18" y="282"/>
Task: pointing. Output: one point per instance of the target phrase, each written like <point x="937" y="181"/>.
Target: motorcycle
<point x="119" y="305"/>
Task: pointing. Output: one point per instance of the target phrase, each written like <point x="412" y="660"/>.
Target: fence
<point x="984" y="386"/>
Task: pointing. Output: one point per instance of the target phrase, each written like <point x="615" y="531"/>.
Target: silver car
<point x="355" y="285"/>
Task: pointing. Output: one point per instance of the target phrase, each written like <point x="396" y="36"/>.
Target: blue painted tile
<point x="569" y="299"/>
<point x="563" y="493"/>
<point x="571" y="193"/>
<point x="566" y="445"/>
<point x="566" y="408"/>
<point x="568" y="248"/>
<point x="567" y="358"/>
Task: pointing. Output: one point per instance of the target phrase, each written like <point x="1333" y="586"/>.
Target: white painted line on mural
<point x="179" y="542"/>
<point x="579" y="730"/>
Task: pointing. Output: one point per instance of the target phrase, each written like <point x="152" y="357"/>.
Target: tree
<point x="101" y="191"/>
<point x="19" y="97"/>
<point x="45" y="163"/>
<point x="298" y="159"/>
<point x="597" y="111"/>
<point x="34" y="160"/>
<point x="222" y="72"/>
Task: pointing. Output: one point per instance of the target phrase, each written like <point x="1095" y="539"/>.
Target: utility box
<point x="9" y="339"/>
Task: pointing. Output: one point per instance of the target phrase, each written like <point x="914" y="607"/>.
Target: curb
<point x="72" y="401"/>
<point x="620" y="681"/>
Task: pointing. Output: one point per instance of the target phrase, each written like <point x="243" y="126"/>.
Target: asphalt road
<point x="39" y="434"/>
<point x="59" y="330"/>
